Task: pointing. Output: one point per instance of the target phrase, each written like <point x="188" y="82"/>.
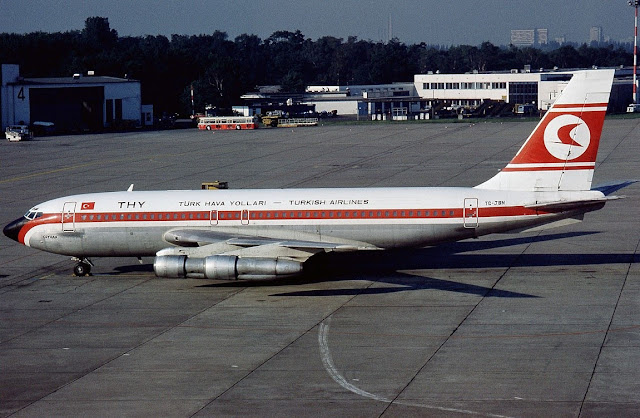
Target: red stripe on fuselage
<point x="278" y="215"/>
<point x="51" y="218"/>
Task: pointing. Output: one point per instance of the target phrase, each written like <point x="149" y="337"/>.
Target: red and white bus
<point x="227" y="122"/>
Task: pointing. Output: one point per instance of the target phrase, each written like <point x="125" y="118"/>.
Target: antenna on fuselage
<point x="130" y="189"/>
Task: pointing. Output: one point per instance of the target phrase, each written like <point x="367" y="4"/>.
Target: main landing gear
<point x="83" y="268"/>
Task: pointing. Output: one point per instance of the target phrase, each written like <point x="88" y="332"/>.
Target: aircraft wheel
<point x="82" y="269"/>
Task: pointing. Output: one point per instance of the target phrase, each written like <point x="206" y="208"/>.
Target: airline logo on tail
<point x="567" y="137"/>
<point x="560" y="153"/>
<point x="566" y="133"/>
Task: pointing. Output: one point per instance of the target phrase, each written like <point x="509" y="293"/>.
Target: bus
<point x="227" y="122"/>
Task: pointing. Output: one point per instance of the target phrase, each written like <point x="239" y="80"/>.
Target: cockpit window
<point x="33" y="214"/>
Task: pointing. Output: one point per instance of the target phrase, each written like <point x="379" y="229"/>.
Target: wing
<point x="202" y="243"/>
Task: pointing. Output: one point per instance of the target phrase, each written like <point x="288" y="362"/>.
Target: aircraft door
<point x="68" y="217"/>
<point x="470" y="212"/>
<point x="245" y="217"/>
<point x="214" y="217"/>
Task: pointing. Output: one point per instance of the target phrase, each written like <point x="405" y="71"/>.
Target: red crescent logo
<point x="567" y="137"/>
<point x="564" y="134"/>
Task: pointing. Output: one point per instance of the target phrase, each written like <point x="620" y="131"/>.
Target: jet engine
<point x="225" y="267"/>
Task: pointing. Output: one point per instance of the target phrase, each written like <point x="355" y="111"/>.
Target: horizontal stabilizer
<point x="564" y="205"/>
<point x="608" y="188"/>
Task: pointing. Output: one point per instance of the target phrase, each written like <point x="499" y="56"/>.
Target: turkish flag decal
<point x="87" y="205"/>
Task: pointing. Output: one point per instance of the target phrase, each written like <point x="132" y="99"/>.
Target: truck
<point x="16" y="133"/>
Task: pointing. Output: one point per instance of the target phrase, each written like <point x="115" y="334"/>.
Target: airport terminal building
<point x="480" y="94"/>
<point x="76" y="103"/>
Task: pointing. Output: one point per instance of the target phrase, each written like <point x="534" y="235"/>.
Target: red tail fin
<point x="560" y="154"/>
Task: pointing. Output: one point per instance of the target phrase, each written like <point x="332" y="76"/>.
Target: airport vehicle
<point x="262" y="234"/>
<point x="15" y="133"/>
<point x="297" y="122"/>
<point x="633" y="108"/>
<point x="227" y="122"/>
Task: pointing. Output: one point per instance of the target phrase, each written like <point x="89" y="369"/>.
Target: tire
<point x="82" y="269"/>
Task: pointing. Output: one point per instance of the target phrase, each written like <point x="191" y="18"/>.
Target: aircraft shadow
<point x="408" y="282"/>
<point x="384" y="266"/>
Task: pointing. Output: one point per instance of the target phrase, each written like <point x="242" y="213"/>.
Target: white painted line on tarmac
<point x="327" y="361"/>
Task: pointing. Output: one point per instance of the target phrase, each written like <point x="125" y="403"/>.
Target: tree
<point x="97" y="34"/>
<point x="222" y="70"/>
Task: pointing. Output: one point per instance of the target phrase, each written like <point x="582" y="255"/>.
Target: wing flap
<point x="197" y="237"/>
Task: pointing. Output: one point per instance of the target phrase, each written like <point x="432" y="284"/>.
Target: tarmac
<point x="544" y="324"/>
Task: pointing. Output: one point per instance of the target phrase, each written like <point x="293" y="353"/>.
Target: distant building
<point x="560" y="39"/>
<point x="595" y="34"/>
<point x="529" y="37"/>
<point x="73" y="103"/>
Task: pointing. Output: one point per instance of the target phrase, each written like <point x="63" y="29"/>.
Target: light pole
<point x="635" y="4"/>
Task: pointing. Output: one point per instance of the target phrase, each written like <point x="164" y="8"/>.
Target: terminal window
<point x="523" y="92"/>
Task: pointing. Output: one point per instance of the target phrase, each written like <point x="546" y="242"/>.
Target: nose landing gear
<point x="83" y="268"/>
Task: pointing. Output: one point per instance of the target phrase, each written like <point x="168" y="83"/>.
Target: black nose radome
<point x="12" y="230"/>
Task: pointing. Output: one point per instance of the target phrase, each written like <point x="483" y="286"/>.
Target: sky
<point x="436" y="22"/>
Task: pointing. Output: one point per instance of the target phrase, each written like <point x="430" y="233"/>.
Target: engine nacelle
<point x="225" y="267"/>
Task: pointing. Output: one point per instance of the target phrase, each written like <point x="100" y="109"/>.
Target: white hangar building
<point x="74" y="103"/>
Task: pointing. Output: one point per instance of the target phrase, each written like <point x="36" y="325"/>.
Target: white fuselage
<point x="136" y="223"/>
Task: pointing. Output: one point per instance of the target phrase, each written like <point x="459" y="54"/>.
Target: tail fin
<point x="560" y="154"/>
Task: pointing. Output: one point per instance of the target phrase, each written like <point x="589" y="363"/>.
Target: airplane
<point x="268" y="233"/>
